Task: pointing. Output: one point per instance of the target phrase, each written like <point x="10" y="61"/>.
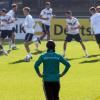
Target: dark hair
<point x="4" y="10"/>
<point x="92" y="9"/>
<point x="50" y="46"/>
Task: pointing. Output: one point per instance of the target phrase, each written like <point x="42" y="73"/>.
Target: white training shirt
<point x="29" y="24"/>
<point x="46" y="13"/>
<point x="10" y="21"/>
<point x="95" y="23"/>
<point x="0" y="22"/>
<point x="4" y="23"/>
<point x="72" y="23"/>
<point x="12" y="14"/>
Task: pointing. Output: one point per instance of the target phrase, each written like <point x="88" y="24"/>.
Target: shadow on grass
<point x="90" y="61"/>
<point x="38" y="52"/>
<point x="17" y="62"/>
<point x="70" y="59"/>
<point x="91" y="56"/>
<point x="96" y="55"/>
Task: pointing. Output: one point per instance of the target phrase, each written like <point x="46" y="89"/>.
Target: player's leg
<point x="1" y="43"/>
<point x="47" y="86"/>
<point x="98" y="39"/>
<point x="13" y="39"/>
<point x="56" y="89"/>
<point x="99" y="46"/>
<point x="78" y="39"/>
<point x="28" y="42"/>
<point x="43" y="32"/>
<point x="48" y="36"/>
<point x="68" y="39"/>
<point x="36" y="40"/>
<point x="48" y="32"/>
<point x="64" y="48"/>
<point x="84" y="49"/>
<point x="3" y="36"/>
<point x="10" y="35"/>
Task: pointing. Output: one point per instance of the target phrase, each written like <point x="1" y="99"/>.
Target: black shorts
<point x="28" y="37"/>
<point x="51" y="90"/>
<point x="76" y="37"/>
<point x="46" y="28"/>
<point x="97" y="36"/>
<point x="6" y="33"/>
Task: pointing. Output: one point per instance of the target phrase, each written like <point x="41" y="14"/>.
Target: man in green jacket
<point x="51" y="73"/>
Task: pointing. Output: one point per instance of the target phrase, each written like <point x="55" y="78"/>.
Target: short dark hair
<point x="92" y="9"/>
<point x="51" y="45"/>
<point x="4" y="10"/>
<point x="27" y="9"/>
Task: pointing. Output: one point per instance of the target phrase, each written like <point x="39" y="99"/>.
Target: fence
<point x="79" y="7"/>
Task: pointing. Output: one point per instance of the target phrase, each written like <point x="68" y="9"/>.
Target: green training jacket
<point x="51" y="62"/>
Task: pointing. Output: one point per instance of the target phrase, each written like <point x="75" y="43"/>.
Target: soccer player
<point x="72" y="27"/>
<point x="6" y="30"/>
<point x="28" y="25"/>
<point x="95" y="25"/>
<point x="51" y="71"/>
<point x="46" y="16"/>
<point x="12" y="13"/>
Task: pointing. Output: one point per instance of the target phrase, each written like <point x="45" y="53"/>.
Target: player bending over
<point x="95" y="23"/>
<point x="72" y="27"/>
<point x="46" y="16"/>
<point x="29" y="30"/>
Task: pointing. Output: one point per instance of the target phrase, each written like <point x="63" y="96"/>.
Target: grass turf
<point x="19" y="81"/>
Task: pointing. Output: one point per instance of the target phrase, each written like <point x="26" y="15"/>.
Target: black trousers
<point x="51" y="90"/>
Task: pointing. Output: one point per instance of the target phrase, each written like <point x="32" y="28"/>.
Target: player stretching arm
<point x="72" y="27"/>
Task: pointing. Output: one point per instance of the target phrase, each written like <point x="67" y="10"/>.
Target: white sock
<point x="13" y="45"/>
<point x="30" y="54"/>
<point x="10" y="45"/>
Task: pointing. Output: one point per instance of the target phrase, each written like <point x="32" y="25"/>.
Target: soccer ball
<point x="27" y="58"/>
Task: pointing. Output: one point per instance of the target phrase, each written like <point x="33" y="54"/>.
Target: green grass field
<point x="19" y="81"/>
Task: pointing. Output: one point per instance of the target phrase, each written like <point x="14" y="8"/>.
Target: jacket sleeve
<point x="66" y="63"/>
<point x="38" y="63"/>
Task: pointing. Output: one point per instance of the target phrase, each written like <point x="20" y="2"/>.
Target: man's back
<point x="51" y="61"/>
